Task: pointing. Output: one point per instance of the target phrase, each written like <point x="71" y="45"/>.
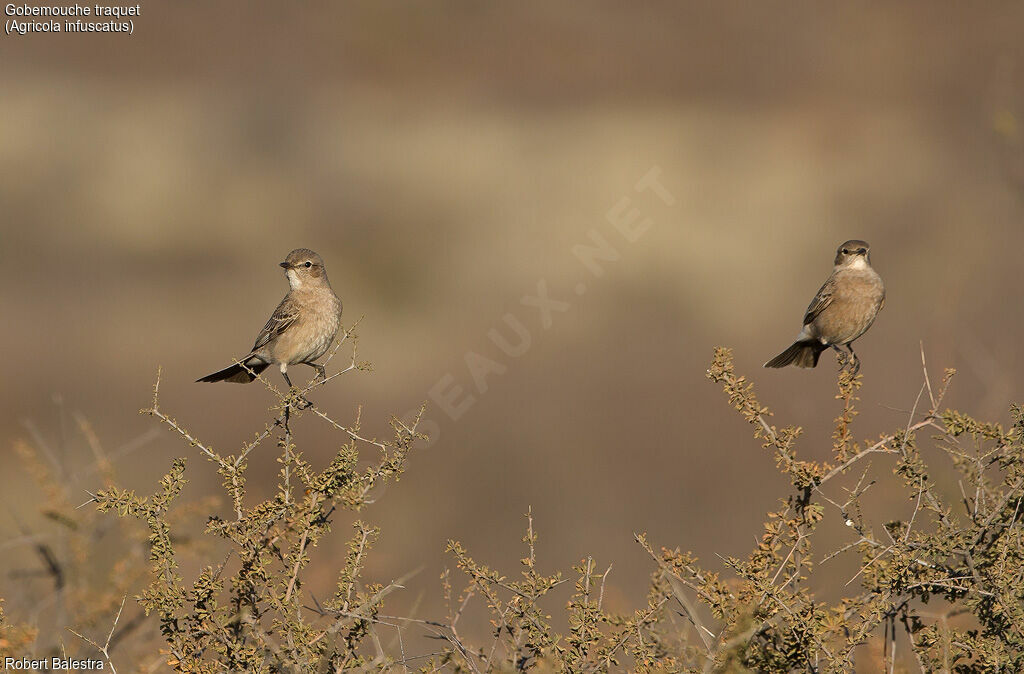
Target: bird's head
<point x="303" y="266"/>
<point x="853" y="253"/>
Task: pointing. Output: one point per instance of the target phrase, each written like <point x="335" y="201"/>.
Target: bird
<point x="300" y="330"/>
<point x="843" y="310"/>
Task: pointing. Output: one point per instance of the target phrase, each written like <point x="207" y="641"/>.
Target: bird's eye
<point x="845" y="251"/>
<point x="862" y="251"/>
<point x="308" y="264"/>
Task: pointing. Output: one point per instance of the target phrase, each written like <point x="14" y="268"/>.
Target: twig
<point x="105" y="648"/>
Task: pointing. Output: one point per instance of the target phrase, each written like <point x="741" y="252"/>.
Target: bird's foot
<point x="296" y="400"/>
<point x="848" y="361"/>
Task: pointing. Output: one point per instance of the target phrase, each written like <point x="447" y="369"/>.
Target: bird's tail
<point x="236" y="373"/>
<point x="804" y="353"/>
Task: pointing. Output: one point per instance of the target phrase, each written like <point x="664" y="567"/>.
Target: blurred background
<point x="445" y="158"/>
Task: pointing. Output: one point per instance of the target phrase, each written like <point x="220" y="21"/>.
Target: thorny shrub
<point x="950" y="579"/>
<point x="944" y="587"/>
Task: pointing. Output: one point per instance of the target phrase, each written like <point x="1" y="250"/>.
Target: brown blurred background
<point x="444" y="158"/>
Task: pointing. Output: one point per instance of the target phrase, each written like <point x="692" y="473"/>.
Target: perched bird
<point x="843" y="310"/>
<point x="300" y="330"/>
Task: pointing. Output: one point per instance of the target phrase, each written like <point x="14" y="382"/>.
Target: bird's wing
<point x="821" y="300"/>
<point x="282" y="318"/>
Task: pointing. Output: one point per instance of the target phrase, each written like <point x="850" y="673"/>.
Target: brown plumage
<point x="301" y="328"/>
<point x="843" y="310"/>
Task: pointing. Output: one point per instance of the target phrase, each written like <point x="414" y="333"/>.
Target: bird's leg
<point x="840" y="356"/>
<point x="321" y="371"/>
<point x="854" y="358"/>
<point x="303" y="403"/>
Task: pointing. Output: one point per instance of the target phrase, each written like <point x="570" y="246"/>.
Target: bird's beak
<point x="285" y="265"/>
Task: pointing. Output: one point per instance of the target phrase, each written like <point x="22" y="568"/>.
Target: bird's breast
<point x="856" y="297"/>
<point x="313" y="331"/>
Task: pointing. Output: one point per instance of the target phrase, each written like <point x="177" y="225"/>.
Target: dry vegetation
<point x="938" y="591"/>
